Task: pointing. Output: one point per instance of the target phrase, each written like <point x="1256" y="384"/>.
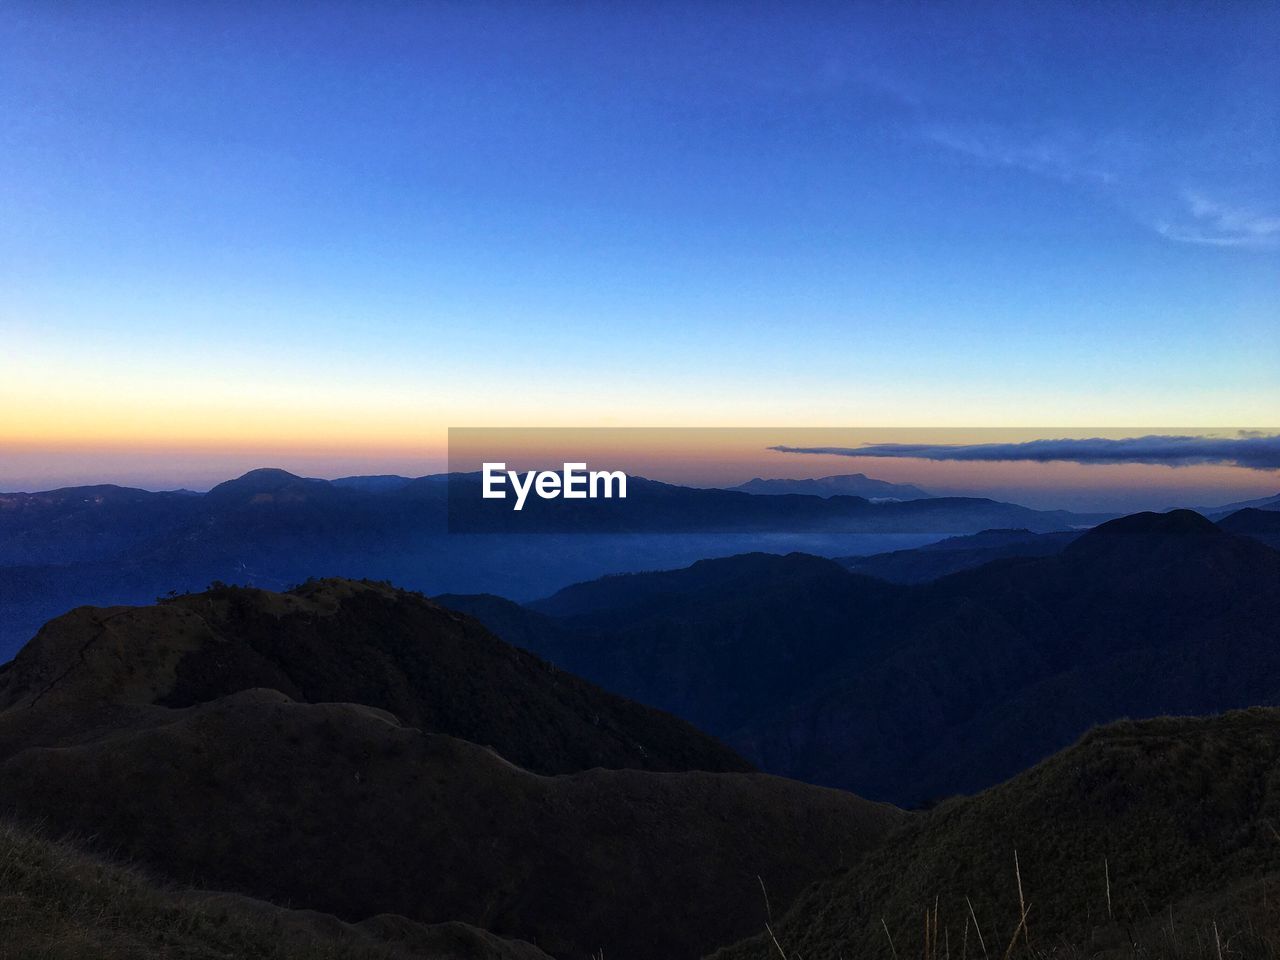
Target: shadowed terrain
<point x="60" y="903"/>
<point x="1134" y="842"/>
<point x="914" y="692"/>
<point x="211" y="748"/>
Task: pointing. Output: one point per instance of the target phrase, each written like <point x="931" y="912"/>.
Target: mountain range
<point x="665" y="764"/>
<point x="842" y="485"/>
<point x="270" y="528"/>
<point x="912" y="692"/>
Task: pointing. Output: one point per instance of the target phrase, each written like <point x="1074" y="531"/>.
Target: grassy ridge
<point x="1155" y="838"/>
<point x="60" y="903"/>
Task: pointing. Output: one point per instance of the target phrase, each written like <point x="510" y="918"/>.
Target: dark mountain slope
<point x="1261" y="525"/>
<point x="719" y="642"/>
<point x="909" y="693"/>
<point x="1176" y="814"/>
<point x="935" y="560"/>
<point x="990" y="670"/>
<point x="61" y="903"/>
<point x="344" y="641"/>
<point x="105" y="730"/>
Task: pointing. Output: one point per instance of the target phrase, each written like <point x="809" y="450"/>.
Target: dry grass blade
<point x="977" y="926"/>
<point x="892" y="948"/>
<point x="1022" y="925"/>
<point x="782" y="953"/>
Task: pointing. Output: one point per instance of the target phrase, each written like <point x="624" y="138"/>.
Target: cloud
<point x="1129" y="174"/>
<point x="1059" y="156"/>
<point x="1260" y="452"/>
<point x="1206" y="221"/>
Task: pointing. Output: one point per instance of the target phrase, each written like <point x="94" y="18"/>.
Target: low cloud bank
<point x="1248" y="449"/>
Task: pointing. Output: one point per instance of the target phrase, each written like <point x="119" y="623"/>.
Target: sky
<point x="318" y="235"/>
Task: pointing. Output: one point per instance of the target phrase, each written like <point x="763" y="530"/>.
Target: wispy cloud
<point x="1130" y="175"/>
<point x="1207" y="221"/>
<point x="1260" y="452"/>
<point x="1060" y="156"/>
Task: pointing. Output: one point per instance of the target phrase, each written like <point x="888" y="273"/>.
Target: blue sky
<point x="276" y="222"/>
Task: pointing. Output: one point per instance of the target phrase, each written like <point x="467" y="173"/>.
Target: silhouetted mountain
<point x="86" y="523"/>
<point x="847" y="485"/>
<point x="271" y="528"/>
<point x="207" y="739"/>
<point x="343" y="641"/>
<point x="934" y="560"/>
<point x="654" y="507"/>
<point x="909" y="693"/>
<point x="1144" y="839"/>
<point x="1261" y="525"/>
<point x="1261" y="503"/>
<point x="384" y="483"/>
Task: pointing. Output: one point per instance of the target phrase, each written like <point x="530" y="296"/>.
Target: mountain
<point x="909" y="693"/>
<point x="1261" y="525"/>
<point x="1150" y="838"/>
<point x="847" y="485"/>
<point x="272" y="529"/>
<point x="383" y="483"/>
<point x="367" y="643"/>
<point x="308" y="748"/>
<point x="71" y="904"/>
<point x="934" y="560"/>
<point x="654" y="507"/>
<point x="1261" y="503"/>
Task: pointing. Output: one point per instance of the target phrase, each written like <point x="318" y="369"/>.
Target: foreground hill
<point x="1165" y="826"/>
<point x="203" y="738"/>
<point x="359" y="642"/>
<point x="60" y="903"/>
<point x="913" y="692"/>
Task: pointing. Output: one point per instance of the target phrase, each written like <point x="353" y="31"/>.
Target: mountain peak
<point x="264" y="483"/>
<point x="1131" y="539"/>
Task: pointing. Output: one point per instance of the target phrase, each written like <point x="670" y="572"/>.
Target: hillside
<point x="913" y="692"/>
<point x="359" y="642"/>
<point x="941" y="559"/>
<point x="1159" y="823"/>
<point x="59" y="903"/>
<point x="1261" y="525"/>
<point x="260" y="742"/>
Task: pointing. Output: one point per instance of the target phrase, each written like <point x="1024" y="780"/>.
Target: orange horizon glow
<point x="692" y="456"/>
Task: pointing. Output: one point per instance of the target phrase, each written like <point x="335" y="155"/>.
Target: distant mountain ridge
<point x="912" y="692"/>
<point x="935" y="560"/>
<point x="1261" y="503"/>
<point x="272" y="528"/>
<point x="846" y="484"/>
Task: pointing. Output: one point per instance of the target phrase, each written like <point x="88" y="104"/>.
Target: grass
<point x="1152" y="839"/>
<point x="1243" y="924"/>
<point x="58" y="903"/>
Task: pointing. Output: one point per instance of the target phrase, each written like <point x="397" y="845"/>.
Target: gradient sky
<point x="319" y="234"/>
